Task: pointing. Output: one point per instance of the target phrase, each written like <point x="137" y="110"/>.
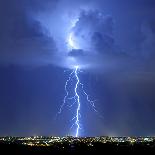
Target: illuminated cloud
<point x="79" y="34"/>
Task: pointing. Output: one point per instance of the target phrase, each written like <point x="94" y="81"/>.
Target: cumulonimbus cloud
<point x="34" y="34"/>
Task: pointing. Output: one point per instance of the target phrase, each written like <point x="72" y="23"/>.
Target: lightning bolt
<point x="75" y="98"/>
<point x="78" y="102"/>
<point x="67" y="93"/>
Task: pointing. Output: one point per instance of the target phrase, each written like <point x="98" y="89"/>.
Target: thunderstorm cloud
<point x="31" y="36"/>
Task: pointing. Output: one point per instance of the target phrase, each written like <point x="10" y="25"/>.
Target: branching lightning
<point x="67" y="93"/>
<point x="75" y="98"/>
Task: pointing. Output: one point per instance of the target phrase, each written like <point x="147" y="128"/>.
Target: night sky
<point x="112" y="41"/>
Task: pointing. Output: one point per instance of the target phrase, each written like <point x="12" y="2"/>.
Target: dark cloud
<point x="76" y="52"/>
<point x="30" y="34"/>
<point x="23" y="39"/>
<point x="148" y="43"/>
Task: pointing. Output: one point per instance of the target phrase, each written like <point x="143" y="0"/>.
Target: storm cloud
<point x="30" y="34"/>
<point x="23" y="39"/>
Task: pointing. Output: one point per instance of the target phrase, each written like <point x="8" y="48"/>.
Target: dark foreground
<point x="77" y="145"/>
